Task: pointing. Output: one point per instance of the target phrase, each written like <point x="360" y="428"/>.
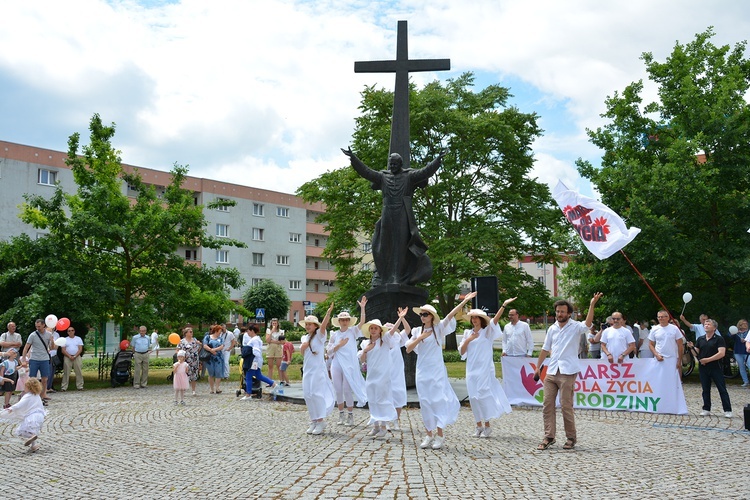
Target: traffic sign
<point x="260" y="313"/>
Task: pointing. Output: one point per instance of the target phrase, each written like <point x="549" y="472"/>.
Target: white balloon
<point x="50" y="321"/>
<point x="733" y="330"/>
<point x="61" y="342"/>
<point x="687" y="297"/>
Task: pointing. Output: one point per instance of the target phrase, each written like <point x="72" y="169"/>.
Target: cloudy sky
<point x="263" y="92"/>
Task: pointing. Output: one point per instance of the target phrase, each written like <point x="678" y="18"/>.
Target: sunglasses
<point x="424" y="315"/>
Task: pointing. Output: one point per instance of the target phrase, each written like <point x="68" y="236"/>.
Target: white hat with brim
<point x="344" y="315"/>
<point x="366" y="328"/>
<point x="309" y="319"/>
<point x="479" y="314"/>
<point x="429" y="309"/>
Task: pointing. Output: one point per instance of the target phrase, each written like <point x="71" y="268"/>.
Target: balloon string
<point x="649" y="287"/>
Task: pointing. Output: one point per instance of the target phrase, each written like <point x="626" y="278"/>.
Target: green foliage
<point x="678" y="168"/>
<point x="480" y="211"/>
<point x="270" y="296"/>
<point x="119" y="255"/>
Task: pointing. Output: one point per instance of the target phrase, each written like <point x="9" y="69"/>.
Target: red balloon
<point x="124" y="345"/>
<point x="62" y="324"/>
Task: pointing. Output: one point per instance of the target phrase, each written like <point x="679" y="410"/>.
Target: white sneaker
<point x="705" y="413"/>
<point x="438" y="443"/>
<point x="311" y="428"/>
<point x="728" y="414"/>
<point x="319" y="426"/>
<point x="342" y="419"/>
<point x="350" y="420"/>
<point x="383" y="432"/>
<point x="477" y="432"/>
<point x="426" y="442"/>
<point x="246" y="396"/>
<point x="486" y="432"/>
<point x="395" y="426"/>
<point x="373" y="431"/>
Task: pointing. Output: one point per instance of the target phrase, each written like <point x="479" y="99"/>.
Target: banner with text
<point x="644" y="385"/>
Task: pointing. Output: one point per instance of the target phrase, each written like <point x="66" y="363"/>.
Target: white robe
<point x="486" y="395"/>
<point x="346" y="359"/>
<point x="398" y="380"/>
<point x="29" y="412"/>
<point x="437" y="400"/>
<point x="317" y="388"/>
<point x="378" y="382"/>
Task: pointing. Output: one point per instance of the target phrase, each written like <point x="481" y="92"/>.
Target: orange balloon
<point x="174" y="338"/>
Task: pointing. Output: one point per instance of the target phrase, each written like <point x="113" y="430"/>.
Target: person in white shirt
<point x="617" y="341"/>
<point x="665" y="340"/>
<point x="517" y="340"/>
<point x="155" y="342"/>
<point x="561" y="345"/>
<point x="72" y="351"/>
<point x="10" y="339"/>
<point x="644" y="349"/>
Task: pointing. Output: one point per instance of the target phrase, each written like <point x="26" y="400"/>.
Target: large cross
<point x="401" y="66"/>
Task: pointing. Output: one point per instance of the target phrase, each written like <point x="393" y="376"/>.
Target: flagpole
<point x="649" y="286"/>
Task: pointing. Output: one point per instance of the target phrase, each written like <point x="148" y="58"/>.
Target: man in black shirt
<point x="710" y="349"/>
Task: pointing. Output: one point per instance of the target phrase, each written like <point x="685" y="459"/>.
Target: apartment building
<point x="284" y="243"/>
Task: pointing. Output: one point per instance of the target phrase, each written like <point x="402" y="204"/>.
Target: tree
<point x="131" y="245"/>
<point x="679" y="169"/>
<point x="270" y="296"/>
<point x="478" y="213"/>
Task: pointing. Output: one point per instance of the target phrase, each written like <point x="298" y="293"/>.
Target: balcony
<point x="320" y="274"/>
<point x="313" y="228"/>
<point x="313" y="251"/>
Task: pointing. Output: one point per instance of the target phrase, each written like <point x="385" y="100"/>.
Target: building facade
<point x="284" y="243"/>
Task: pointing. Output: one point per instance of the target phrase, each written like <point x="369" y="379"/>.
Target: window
<point x="258" y="209"/>
<point x="255" y="281"/>
<point x="541" y="280"/>
<point x="257" y="234"/>
<point x="366" y="266"/>
<point x="222" y="208"/>
<point x="282" y="212"/>
<point x="222" y="230"/>
<point x="540" y="265"/>
<point x="47" y="177"/>
<point x="295" y="237"/>
<point x="191" y="254"/>
<point x="282" y="260"/>
<point x="367" y="246"/>
<point x="295" y="284"/>
<point x="222" y="256"/>
<point x="257" y="259"/>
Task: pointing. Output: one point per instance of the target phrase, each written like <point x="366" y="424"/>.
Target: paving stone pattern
<point x="127" y="443"/>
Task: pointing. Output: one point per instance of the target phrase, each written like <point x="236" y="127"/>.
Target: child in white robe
<point x="29" y="412"/>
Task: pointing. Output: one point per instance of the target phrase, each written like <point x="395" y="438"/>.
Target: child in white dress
<point x="180" y="380"/>
<point x="29" y="412"/>
<point x="376" y="352"/>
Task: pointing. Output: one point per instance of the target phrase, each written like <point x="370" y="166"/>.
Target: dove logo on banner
<point x="603" y="231"/>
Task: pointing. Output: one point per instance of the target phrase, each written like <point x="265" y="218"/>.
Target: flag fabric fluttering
<point x="601" y="229"/>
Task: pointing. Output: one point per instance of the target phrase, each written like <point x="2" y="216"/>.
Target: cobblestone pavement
<point x="126" y="443"/>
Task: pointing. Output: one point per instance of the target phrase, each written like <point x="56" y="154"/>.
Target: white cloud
<point x="264" y="93"/>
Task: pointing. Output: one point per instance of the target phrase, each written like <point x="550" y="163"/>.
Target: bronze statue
<point x="398" y="250"/>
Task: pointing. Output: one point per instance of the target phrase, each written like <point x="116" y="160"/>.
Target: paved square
<point x="126" y="443"/>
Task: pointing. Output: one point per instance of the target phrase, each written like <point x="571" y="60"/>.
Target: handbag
<point x="205" y="355"/>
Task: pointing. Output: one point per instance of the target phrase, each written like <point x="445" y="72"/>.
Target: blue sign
<point x="260" y="313"/>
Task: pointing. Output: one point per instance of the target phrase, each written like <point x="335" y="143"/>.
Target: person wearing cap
<point x="317" y="388"/>
<point x="72" y="350"/>
<point x="376" y="352"/>
<point x="486" y="395"/>
<point x="8" y="371"/>
<point x="346" y="375"/>
<point x="438" y="403"/>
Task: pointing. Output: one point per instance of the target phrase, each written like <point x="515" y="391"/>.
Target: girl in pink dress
<point x="180" y="381"/>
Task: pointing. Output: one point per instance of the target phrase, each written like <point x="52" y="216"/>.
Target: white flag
<point x="601" y="229"/>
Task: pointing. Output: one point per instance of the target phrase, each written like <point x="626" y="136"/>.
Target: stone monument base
<point x="383" y="303"/>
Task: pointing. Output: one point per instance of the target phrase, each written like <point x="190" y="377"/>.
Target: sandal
<point x="569" y="444"/>
<point x="546" y="444"/>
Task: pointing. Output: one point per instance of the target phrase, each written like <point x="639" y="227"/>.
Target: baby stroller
<point x="122" y="368"/>
<point x="256" y="392"/>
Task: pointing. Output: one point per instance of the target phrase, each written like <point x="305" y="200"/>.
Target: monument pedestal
<point x="383" y="303"/>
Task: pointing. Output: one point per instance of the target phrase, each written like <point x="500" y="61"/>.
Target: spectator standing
<point x="9" y="371"/>
<point x="73" y="352"/>
<point x="229" y="343"/>
<point x="740" y="352"/>
<point x="11" y="339"/>
<point x="274" y="350"/>
<point x="710" y="349"/>
<point x="155" y="342"/>
<point x="192" y="348"/>
<point x="141" y="346"/>
<point x="516" y="337"/>
<point x="665" y="340"/>
<point x="37" y="349"/>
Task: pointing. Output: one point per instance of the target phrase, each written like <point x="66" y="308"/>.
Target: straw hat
<point x="428" y="309"/>
<point x="309" y="319"/>
<point x="479" y="314"/>
<point x="344" y="315"/>
<point x="366" y="328"/>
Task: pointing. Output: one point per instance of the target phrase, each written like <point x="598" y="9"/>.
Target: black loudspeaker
<point x="486" y="299"/>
